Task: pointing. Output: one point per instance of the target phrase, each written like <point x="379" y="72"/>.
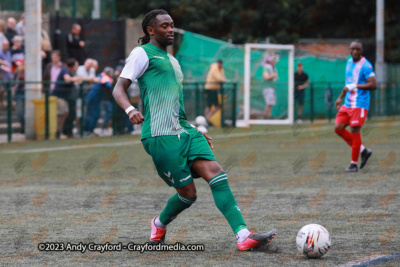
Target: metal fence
<point x="194" y="95"/>
<point x="321" y="97"/>
<point x="319" y="103"/>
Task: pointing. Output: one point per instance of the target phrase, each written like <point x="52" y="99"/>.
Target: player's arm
<point x="340" y="98"/>
<point x="369" y="85"/>
<point x="120" y="96"/>
<point x="135" y="66"/>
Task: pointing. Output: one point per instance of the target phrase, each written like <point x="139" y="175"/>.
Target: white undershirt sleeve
<point x="136" y="64"/>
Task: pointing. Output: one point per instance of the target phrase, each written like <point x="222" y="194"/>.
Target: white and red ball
<point x="313" y="241"/>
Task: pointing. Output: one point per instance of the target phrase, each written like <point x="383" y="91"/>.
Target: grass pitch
<point x="107" y="190"/>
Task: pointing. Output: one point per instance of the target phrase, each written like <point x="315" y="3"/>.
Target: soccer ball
<point x="313" y="241"/>
<point x="200" y="120"/>
<point x="202" y="129"/>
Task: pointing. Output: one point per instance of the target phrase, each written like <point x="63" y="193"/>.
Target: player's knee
<point x="339" y="128"/>
<point x="189" y="193"/>
<point x="216" y="170"/>
<point x="354" y="130"/>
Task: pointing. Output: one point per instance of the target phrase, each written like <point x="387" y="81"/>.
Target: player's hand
<point x="207" y="138"/>
<point x="81" y="43"/>
<point x="135" y="117"/>
<point x="338" y="103"/>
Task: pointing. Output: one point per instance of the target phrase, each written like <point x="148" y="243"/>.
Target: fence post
<point x="9" y="110"/>
<point x="234" y="105"/>
<point x="389" y="98"/>
<point x="81" y="95"/>
<point x="312" y="102"/>
<point x="46" y="111"/>
<point x="197" y="102"/>
<point x="371" y="104"/>
<point x="222" y="105"/>
<point x="329" y="101"/>
<point x="397" y="98"/>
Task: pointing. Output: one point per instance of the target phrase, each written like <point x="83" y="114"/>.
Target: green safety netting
<point x="197" y="52"/>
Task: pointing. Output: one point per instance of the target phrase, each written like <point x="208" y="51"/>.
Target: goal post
<point x="257" y="90"/>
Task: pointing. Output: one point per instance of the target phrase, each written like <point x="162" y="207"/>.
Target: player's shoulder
<point x="137" y="54"/>
<point x="367" y="64"/>
<point x="137" y="51"/>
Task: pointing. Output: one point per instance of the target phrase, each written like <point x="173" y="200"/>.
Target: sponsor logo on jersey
<point x="158" y="57"/>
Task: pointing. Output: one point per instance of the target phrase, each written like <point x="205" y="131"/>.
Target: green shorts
<point x="173" y="155"/>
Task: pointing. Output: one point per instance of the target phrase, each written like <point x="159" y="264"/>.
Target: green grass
<point x="283" y="177"/>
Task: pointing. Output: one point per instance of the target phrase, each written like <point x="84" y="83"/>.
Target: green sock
<point x="226" y="202"/>
<point x="175" y="205"/>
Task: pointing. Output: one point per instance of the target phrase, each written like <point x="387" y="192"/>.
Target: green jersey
<point x="160" y="77"/>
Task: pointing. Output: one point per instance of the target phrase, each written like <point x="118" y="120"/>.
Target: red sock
<point x="355" y="148"/>
<point x="346" y="135"/>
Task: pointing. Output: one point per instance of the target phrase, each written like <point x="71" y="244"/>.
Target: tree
<point x="283" y="21"/>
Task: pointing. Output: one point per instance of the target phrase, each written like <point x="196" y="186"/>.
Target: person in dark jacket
<point x="75" y="44"/>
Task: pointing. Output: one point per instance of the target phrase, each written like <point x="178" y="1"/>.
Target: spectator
<point x="301" y="82"/>
<point x="20" y="27"/>
<point x="46" y="49"/>
<point x="17" y="52"/>
<point x="94" y="98"/>
<point x="63" y="90"/>
<point x="10" y="29"/>
<point x="75" y="44"/>
<point x="87" y="70"/>
<point x="107" y="105"/>
<point x="270" y="75"/>
<point x="95" y="66"/>
<point x="2" y="31"/>
<point x="88" y="74"/>
<point x="215" y="77"/>
<point x="53" y="69"/>
<point x="5" y="66"/>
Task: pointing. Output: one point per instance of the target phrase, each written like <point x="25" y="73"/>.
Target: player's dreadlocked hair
<point x="149" y="21"/>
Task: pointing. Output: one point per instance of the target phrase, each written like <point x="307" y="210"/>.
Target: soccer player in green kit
<point x="179" y="151"/>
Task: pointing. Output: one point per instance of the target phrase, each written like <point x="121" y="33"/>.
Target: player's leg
<point x="177" y="203"/>
<point x="217" y="179"/>
<point x="169" y="156"/>
<point x="357" y="119"/>
<point x="203" y="164"/>
<point x="267" y="112"/>
<point x="341" y="122"/>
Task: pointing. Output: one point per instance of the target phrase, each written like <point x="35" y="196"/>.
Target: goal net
<point x="268" y="85"/>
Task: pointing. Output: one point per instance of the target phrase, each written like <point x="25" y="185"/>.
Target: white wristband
<point x="129" y="109"/>
<point x="351" y="86"/>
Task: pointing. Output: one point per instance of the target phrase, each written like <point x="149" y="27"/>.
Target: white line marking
<point x="126" y="143"/>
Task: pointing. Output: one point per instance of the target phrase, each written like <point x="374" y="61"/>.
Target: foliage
<point x="283" y="21"/>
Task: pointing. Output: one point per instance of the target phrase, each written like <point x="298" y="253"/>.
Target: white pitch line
<point x="370" y="259"/>
<point x="266" y="132"/>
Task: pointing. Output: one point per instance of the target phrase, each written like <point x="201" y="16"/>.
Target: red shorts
<point x="351" y="116"/>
